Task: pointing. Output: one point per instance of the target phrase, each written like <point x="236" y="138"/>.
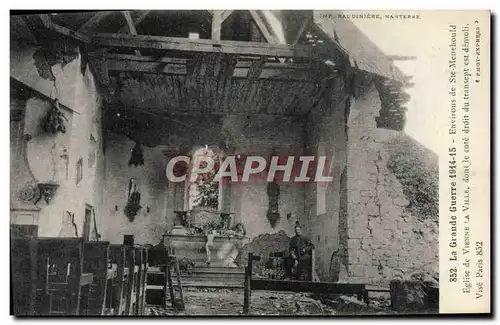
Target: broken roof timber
<point x="305" y="72"/>
<point x="362" y="51"/>
<point x="204" y="45"/>
<point x="49" y="24"/>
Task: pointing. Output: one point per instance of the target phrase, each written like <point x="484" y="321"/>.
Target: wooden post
<point x="168" y="278"/>
<point x="246" y="294"/>
<point x="248" y="285"/>
<point x="313" y="266"/>
<point x="179" y="284"/>
<point x="366" y="299"/>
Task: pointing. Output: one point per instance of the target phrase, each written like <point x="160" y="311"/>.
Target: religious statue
<point x="273" y="193"/>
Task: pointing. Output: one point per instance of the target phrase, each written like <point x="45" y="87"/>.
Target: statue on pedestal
<point x="273" y="193"/>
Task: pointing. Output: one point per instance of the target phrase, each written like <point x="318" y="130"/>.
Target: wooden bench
<point x="296" y="286"/>
<point x="60" y="276"/>
<point x="156" y="277"/>
<point x="23" y="248"/>
<point x="159" y="277"/>
<point x="67" y="276"/>
<point x="141" y="261"/>
<point x="131" y="279"/>
<point x="119" y="299"/>
<point x="96" y="261"/>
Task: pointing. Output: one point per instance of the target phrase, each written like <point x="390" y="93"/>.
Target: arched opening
<point x="204" y="191"/>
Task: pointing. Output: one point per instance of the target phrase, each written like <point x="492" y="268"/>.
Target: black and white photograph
<point x="249" y="162"/>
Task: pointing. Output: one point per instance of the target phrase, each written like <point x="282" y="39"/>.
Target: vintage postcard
<point x="250" y="162"/>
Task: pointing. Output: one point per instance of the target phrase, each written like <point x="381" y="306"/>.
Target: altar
<point x="198" y="230"/>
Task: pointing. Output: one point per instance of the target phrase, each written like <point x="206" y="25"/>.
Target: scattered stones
<point x="267" y="303"/>
<point x="263" y="245"/>
<point x="408" y="295"/>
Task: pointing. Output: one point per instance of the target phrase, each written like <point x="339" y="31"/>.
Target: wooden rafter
<point x="204" y="45"/>
<point x="216" y="24"/>
<point x="226" y="14"/>
<point x="262" y="27"/>
<point x="218" y="17"/>
<point x="19" y="27"/>
<point x="260" y="69"/>
<point x="301" y="30"/>
<point x="131" y="26"/>
<point x="49" y="24"/>
<point x="142" y="15"/>
<point x="93" y="21"/>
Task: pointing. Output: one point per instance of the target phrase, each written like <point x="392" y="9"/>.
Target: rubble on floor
<point x="222" y="302"/>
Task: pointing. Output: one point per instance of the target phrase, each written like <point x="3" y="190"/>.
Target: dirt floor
<point x="225" y="302"/>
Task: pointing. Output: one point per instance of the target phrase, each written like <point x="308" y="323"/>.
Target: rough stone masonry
<point x="384" y="239"/>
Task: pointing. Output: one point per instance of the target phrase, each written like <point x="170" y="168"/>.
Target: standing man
<point x="300" y="248"/>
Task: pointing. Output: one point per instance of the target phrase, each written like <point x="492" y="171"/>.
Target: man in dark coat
<point x="300" y="248"/>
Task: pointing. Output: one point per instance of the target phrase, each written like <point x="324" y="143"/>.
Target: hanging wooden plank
<point x="204" y="45"/>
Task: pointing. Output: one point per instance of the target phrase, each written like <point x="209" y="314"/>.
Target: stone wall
<point x="150" y="222"/>
<point x="39" y="157"/>
<point x="326" y="136"/>
<point x="248" y="201"/>
<point x="383" y="239"/>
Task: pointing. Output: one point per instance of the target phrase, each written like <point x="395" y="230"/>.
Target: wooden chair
<point x="60" y="276"/>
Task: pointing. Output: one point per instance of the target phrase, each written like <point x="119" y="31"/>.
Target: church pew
<point x="296" y="286"/>
<point x="118" y="258"/>
<point x="131" y="273"/>
<point x="60" y="276"/>
<point x="23" y="249"/>
<point x="95" y="261"/>
<point x="140" y="261"/>
<point x="156" y="277"/>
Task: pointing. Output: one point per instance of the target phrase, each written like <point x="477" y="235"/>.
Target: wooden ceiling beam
<point x="50" y="25"/>
<point x="199" y="113"/>
<point x="204" y="45"/>
<point x="216" y="24"/>
<point x="218" y="17"/>
<point x="301" y="30"/>
<point x="21" y="30"/>
<point x="142" y="15"/>
<point x="93" y="22"/>
<point x="266" y="72"/>
<point x="304" y="72"/>
<point x="226" y="14"/>
<point x="131" y="27"/>
<point x="262" y="27"/>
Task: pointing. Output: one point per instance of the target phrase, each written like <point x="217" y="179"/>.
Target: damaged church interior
<point x="103" y="102"/>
